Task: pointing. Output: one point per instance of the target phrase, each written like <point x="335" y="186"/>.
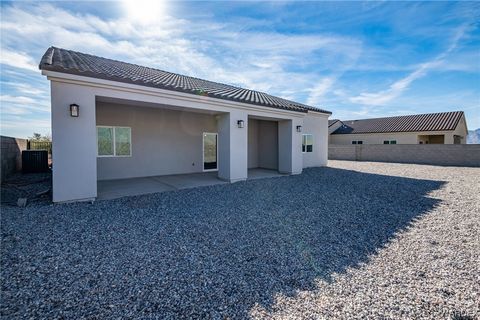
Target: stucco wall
<point x="268" y="145"/>
<point x="435" y="154"/>
<point x="317" y="125"/>
<point x="163" y="141"/>
<point x="252" y="143"/>
<point x="461" y="130"/>
<point x="74" y="147"/>
<point x="262" y="144"/>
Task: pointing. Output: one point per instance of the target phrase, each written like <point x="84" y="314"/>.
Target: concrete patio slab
<point x="260" y="173"/>
<point x="112" y="189"/>
<point x="193" y="180"/>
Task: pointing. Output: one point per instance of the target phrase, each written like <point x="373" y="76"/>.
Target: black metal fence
<point x="40" y="145"/>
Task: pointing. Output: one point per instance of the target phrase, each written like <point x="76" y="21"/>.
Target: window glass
<point x="105" y="141"/>
<point x="386" y="142"/>
<point x="354" y="142"/>
<point x="210" y="146"/>
<point x="393" y="141"/>
<point x="307" y="143"/>
<point x="122" y="141"/>
<point x="359" y="142"/>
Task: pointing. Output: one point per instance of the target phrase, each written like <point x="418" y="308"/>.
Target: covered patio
<point x="113" y="189"/>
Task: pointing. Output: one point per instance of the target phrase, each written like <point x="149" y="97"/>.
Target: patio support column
<point x="290" y="146"/>
<point x="232" y="146"/>
<point x="74" y="149"/>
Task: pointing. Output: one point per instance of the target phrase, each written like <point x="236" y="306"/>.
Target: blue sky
<point x="357" y="59"/>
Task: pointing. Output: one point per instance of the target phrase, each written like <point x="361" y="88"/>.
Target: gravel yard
<point x="353" y="240"/>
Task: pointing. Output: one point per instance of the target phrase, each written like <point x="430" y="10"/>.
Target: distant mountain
<point x="473" y="136"/>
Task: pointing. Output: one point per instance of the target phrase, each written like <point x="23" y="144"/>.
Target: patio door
<point x="210" y="150"/>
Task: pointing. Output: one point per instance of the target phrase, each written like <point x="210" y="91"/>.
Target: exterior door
<point x="210" y="150"/>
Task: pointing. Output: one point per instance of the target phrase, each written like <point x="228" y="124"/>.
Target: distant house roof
<point x="332" y="122"/>
<point x="67" y="61"/>
<point x="442" y="121"/>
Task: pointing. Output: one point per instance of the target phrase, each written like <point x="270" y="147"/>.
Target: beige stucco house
<point x="433" y="128"/>
<point x="115" y="120"/>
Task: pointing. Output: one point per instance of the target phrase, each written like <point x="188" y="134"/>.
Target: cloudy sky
<point x="357" y="59"/>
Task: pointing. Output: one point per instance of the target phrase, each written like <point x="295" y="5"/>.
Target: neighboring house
<point x="333" y="125"/>
<point x="432" y="128"/>
<point x="115" y="120"/>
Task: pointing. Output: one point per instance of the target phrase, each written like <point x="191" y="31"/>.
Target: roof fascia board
<point x="115" y="85"/>
<point x="318" y="114"/>
<point x="396" y="132"/>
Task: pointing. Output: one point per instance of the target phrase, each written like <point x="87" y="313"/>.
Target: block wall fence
<point x="465" y="155"/>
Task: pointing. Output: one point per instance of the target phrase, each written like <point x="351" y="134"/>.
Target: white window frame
<point x="114" y="143"/>
<point x="313" y="141"/>
<point x="203" y="152"/>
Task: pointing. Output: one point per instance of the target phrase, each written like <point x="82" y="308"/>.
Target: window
<point x="389" y="141"/>
<point x="307" y="143"/>
<point x="357" y="142"/>
<point x="105" y="141"/>
<point x="114" y="141"/>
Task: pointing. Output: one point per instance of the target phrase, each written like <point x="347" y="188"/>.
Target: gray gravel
<point x="35" y="187"/>
<point x="354" y="240"/>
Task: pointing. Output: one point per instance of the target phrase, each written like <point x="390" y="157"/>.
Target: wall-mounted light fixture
<point x="74" y="110"/>
<point x="240" y="123"/>
<point x="299" y="128"/>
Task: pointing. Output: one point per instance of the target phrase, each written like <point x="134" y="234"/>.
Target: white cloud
<point x="22" y="105"/>
<point x="16" y="99"/>
<point x="303" y="67"/>
<point x="22" y="127"/>
<point x="223" y="52"/>
<point x="220" y="52"/>
<point x="398" y="87"/>
<point x="24" y="88"/>
<point x="18" y="60"/>
<point x="318" y="91"/>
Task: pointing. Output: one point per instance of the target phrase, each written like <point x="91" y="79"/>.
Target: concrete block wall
<point x="11" y="155"/>
<point x="439" y="154"/>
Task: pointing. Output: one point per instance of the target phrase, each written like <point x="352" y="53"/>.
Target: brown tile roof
<point x="72" y="62"/>
<point x="442" y="121"/>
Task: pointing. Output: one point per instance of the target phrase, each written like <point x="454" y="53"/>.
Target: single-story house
<point x="432" y="128"/>
<point x="116" y="120"/>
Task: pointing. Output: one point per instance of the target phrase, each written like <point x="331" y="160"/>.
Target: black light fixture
<point x="240" y="123"/>
<point x="74" y="110"/>
<point x="299" y="128"/>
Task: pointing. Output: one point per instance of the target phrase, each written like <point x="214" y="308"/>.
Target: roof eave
<point x="56" y="70"/>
